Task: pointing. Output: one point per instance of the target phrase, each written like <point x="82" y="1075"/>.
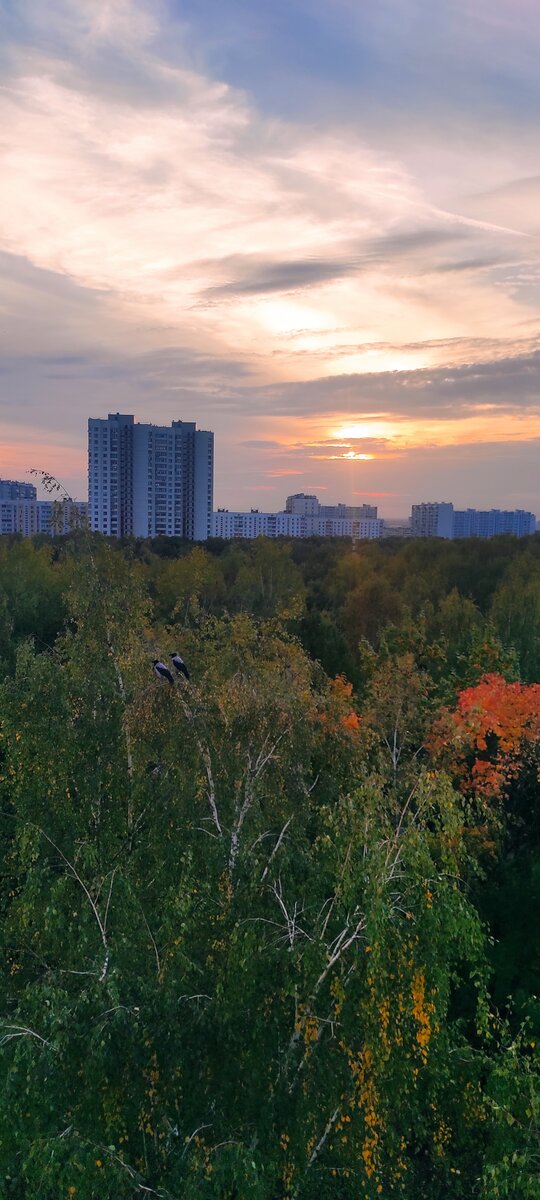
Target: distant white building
<point x="310" y="506"/>
<point x="442" y="520"/>
<point x="54" y="517"/>
<point x="302" y="505"/>
<point x="472" y="522"/>
<point x="229" y="525"/>
<point x="148" y="480"/>
<point x="14" y="489"/>
<point x="364" y="528"/>
<point x="432" y="520"/>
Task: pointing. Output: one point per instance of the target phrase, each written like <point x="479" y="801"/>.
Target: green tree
<point x="186" y="586"/>
<point x="516" y="615"/>
<point x="266" y="581"/>
<point x="241" y="956"/>
<point x="32" y="584"/>
<point x="227" y="950"/>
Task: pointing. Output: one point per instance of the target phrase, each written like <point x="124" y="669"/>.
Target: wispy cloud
<point x="167" y="244"/>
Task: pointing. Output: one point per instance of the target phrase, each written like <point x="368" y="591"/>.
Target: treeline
<point x="270" y="933"/>
<point x="445" y="601"/>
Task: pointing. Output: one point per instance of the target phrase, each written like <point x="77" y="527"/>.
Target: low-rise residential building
<point x="443" y="521"/>
<point x="471" y="522"/>
<point x="15" y="489"/>
<point x="432" y="520"/>
<point x="54" y="517"/>
<point x="310" y="506"/>
<point x="229" y="525"/>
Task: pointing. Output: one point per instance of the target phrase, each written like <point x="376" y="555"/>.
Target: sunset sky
<point x="309" y="225"/>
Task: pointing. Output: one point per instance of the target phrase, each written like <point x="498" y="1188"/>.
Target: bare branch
<point x="317" y="1149"/>
<point x="276" y="848"/>
<point x="242" y="812"/>
<point x="207" y="760"/>
<point x="20" y="1031"/>
<point x="113" y="873"/>
<point x="101" y="926"/>
<point x="253" y="773"/>
<point x="406" y="806"/>
<point x="327" y="1129"/>
<point x="263" y="758"/>
<point x="153" y="941"/>
<point x="293" y="929"/>
<point x="193" y="1135"/>
<point x="261" y="838"/>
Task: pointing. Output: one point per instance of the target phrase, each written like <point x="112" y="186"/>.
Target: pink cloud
<point x="282" y="473"/>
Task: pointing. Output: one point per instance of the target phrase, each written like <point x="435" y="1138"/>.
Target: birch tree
<point x="232" y="955"/>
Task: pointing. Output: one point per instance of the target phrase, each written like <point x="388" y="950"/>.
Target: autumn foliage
<point x="490" y="735"/>
<point x="270" y="933"/>
<point x="339" y="714"/>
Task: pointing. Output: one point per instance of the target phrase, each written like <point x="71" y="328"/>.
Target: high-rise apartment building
<point x="148" y="480"/>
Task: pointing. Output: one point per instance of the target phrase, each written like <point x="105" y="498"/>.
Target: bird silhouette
<point x="162" y="671"/>
<point x="180" y="665"/>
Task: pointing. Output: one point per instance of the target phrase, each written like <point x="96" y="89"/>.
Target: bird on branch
<point x="162" y="671"/>
<point x="180" y="665"/>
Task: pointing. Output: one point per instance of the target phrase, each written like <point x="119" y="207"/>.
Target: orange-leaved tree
<point x="491" y="736"/>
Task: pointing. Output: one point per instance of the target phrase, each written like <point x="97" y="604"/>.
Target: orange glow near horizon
<point x="411" y="434"/>
<point x="369" y="439"/>
<point x="389" y="436"/>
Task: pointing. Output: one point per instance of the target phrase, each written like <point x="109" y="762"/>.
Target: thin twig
<point x="21" y="1031"/>
<point x="276" y="848"/>
<point x="101" y="926"/>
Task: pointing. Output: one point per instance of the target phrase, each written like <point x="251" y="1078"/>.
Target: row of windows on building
<point x="163" y="478"/>
<point x="441" y="520"/>
<point x="29" y="517"/>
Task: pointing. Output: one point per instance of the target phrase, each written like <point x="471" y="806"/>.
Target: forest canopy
<point x="269" y="931"/>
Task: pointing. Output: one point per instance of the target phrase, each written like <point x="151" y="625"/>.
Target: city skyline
<point x="150" y="481"/>
<point x="39" y="490"/>
<point x="310" y="228"/>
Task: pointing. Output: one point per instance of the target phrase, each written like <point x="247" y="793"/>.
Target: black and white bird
<point x="162" y="671"/>
<point x="180" y="665"/>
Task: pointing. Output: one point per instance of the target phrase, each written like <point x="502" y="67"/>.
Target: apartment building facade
<point x="150" y="480"/>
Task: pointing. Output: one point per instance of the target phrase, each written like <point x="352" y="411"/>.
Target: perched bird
<point x="180" y="665"/>
<point x="162" y="671"/>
